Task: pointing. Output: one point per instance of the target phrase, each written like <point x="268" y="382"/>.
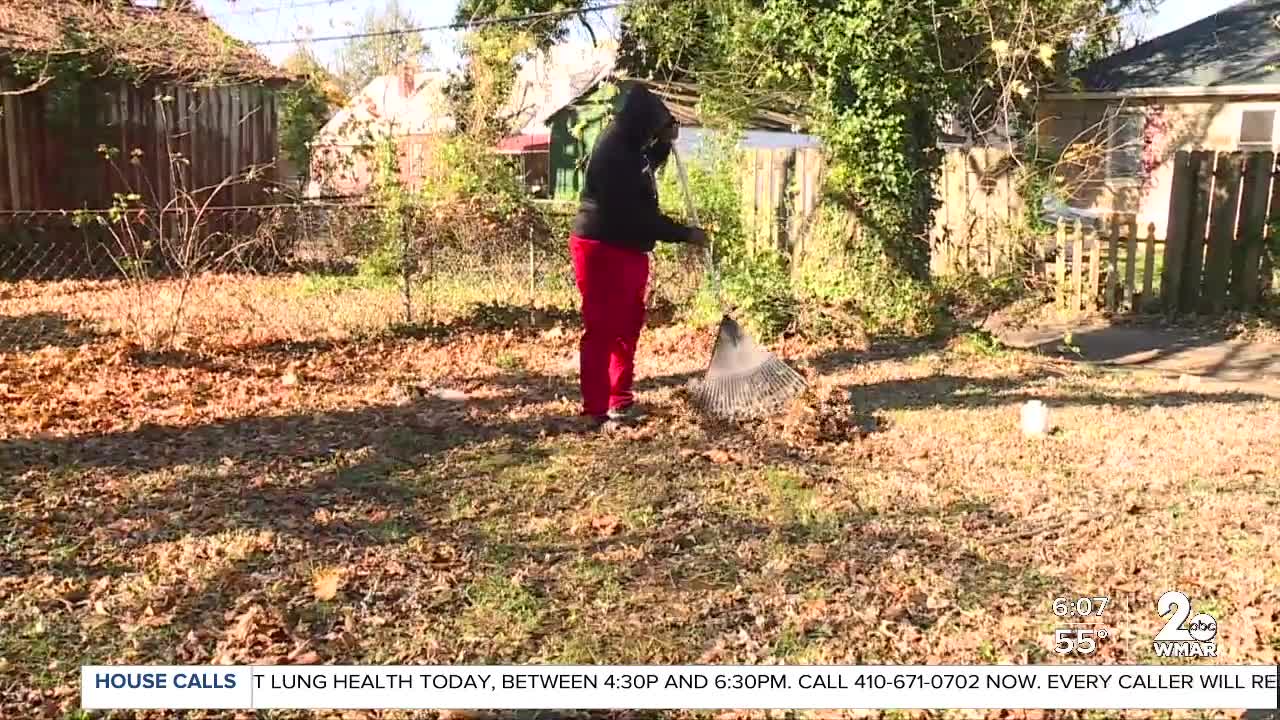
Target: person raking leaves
<point x="618" y="224"/>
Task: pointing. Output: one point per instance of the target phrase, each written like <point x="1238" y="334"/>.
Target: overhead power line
<point x="278" y="8"/>
<point x="509" y="20"/>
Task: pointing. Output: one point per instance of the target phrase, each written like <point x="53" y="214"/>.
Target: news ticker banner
<point x="694" y="687"/>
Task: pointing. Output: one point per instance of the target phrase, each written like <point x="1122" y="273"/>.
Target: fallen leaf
<point x="719" y="457"/>
<point x="326" y="583"/>
<point x="244" y="624"/>
<point x="306" y="658"/>
<point x="289" y="379"/>
<point x="151" y="619"/>
<point x="606" y="525"/>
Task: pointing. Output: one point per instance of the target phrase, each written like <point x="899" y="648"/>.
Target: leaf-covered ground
<point x="431" y="500"/>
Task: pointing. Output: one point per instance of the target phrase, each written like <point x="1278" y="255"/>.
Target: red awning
<point x="518" y="144"/>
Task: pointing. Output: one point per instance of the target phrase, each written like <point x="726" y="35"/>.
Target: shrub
<point x="755" y="284"/>
<point x="759" y="288"/>
<point x="849" y="268"/>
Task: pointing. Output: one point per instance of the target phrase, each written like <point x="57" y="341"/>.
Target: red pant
<point x="613" y="282"/>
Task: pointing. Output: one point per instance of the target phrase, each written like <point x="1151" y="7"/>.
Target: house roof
<point x="409" y="102"/>
<point x="1233" y="48"/>
<point x="176" y="44"/>
<point x="554" y="78"/>
<point x="518" y="144"/>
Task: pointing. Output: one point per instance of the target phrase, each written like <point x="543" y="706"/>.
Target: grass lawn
<point x="320" y="501"/>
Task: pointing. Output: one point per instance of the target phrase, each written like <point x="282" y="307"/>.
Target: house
<point x="1212" y="85"/>
<point x="412" y="106"/>
<point x="532" y="155"/>
<point x="544" y="85"/>
<point x="576" y="125"/>
<point x="409" y="105"/>
<point x="79" y="76"/>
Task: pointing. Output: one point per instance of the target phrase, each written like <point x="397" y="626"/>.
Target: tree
<point x="874" y="77"/>
<point x="543" y="31"/>
<point x="306" y="105"/>
<point x="491" y="54"/>
<point x="303" y="63"/>
<point x="384" y="47"/>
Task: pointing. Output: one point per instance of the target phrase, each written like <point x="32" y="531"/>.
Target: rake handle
<point x="692" y="211"/>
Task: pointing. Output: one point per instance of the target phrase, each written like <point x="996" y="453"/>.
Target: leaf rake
<point x="744" y="381"/>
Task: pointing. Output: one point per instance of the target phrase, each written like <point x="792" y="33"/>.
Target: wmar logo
<point x="1194" y="640"/>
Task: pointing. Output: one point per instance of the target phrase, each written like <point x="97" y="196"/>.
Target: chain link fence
<point x="292" y="272"/>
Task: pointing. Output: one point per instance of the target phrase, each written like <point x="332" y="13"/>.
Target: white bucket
<point x="1035" y="418"/>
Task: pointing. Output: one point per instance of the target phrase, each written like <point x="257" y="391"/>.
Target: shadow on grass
<point x="1198" y="351"/>
<point x="883" y="348"/>
<point x="29" y="333"/>
<point x="957" y="391"/>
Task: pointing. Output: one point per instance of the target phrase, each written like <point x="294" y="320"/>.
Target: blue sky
<point x="257" y="20"/>
<point x="261" y="20"/>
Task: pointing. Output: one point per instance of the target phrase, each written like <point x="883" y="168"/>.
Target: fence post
<point x="1253" y="220"/>
<point x="1222" y="232"/>
<point x="431" y="279"/>
<point x="1131" y="264"/>
<point x="1061" y="264"/>
<point x="1149" y="268"/>
<point x="1077" y="268"/>
<point x="1095" y="267"/>
<point x="1205" y="170"/>
<point x="1113" y="263"/>
<point x="532" y="275"/>
<point x="1178" y="228"/>
<point x="406" y="271"/>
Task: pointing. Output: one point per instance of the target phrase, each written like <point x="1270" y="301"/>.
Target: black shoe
<point x="626" y="413"/>
<point x="602" y="424"/>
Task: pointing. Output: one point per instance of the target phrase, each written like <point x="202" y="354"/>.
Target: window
<point x="1257" y="129"/>
<point x="1124" y="146"/>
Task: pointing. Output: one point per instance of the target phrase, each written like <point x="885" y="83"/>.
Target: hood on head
<point x="642" y="115"/>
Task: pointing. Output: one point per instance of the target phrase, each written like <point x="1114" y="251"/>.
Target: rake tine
<point x="744" y="381"/>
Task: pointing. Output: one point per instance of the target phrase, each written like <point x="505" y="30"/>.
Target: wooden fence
<point x="1112" y="267"/>
<point x="781" y="188"/>
<point x="979" y="206"/>
<point x="170" y="138"/>
<point x="1221" y="209"/>
<point x="975" y="227"/>
<point x="1217" y="255"/>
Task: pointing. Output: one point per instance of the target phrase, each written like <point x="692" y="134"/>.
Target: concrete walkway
<point x="1210" y="355"/>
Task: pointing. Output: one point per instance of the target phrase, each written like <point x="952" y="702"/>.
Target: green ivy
<point x="304" y="108"/>
<point x="390" y="256"/>
<point x="873" y="79"/>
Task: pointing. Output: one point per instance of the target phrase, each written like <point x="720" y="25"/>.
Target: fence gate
<point x="1217" y="254"/>
<point x="1109" y="267"/>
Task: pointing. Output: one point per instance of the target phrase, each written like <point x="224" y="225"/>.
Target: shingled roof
<point x="1238" y="46"/>
<point x="174" y="44"/>
<point x="682" y="99"/>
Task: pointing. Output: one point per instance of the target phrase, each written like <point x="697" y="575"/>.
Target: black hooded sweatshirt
<point x="619" y="203"/>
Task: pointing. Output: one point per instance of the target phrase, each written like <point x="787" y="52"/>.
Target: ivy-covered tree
<point x="306" y="106"/>
<point x="383" y="47"/>
<point x="874" y="78"/>
<point x="491" y="53"/>
<point x="560" y="16"/>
